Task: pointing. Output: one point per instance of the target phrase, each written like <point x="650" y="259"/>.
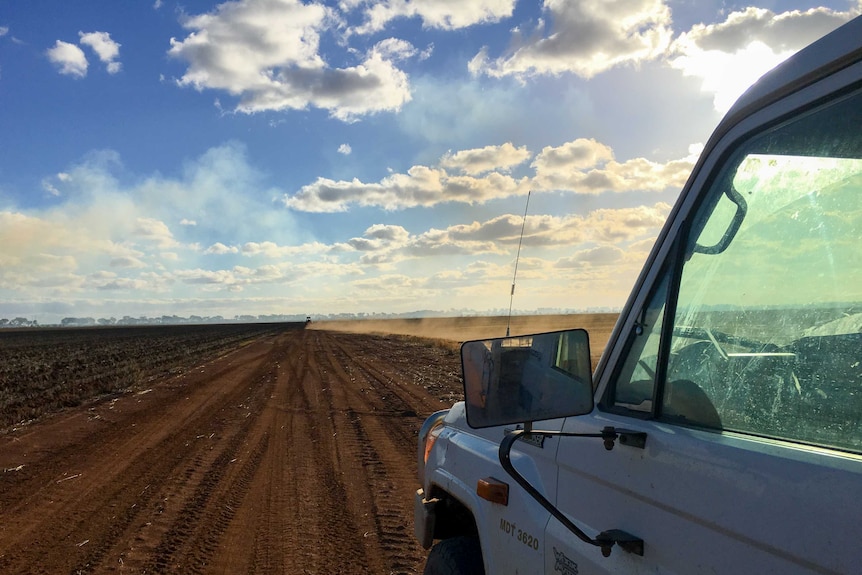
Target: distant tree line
<point x="143" y="320"/>
<point x="18" y="322"/>
<point x="276" y="318"/>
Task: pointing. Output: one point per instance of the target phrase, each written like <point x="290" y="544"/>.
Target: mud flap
<point x="424" y="518"/>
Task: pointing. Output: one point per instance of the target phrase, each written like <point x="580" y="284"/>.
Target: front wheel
<point x="455" y="556"/>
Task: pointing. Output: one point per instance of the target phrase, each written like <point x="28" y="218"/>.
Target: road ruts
<point x="292" y="454"/>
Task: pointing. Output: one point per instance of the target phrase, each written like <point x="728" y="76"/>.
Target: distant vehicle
<point x="721" y="431"/>
<point x="308" y="319"/>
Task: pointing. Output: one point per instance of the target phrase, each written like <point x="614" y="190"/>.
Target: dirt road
<point x="293" y="454"/>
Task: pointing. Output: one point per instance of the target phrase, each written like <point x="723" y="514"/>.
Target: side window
<point x="635" y="383"/>
<point x="766" y="337"/>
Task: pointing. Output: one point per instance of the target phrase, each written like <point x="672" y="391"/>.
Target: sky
<point x="258" y="157"/>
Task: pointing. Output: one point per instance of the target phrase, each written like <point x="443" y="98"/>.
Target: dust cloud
<point x="461" y="329"/>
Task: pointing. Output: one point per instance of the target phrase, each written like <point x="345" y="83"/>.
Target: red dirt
<point x="293" y="454"/>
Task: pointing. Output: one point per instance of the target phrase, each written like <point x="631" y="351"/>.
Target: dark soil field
<point x="288" y="450"/>
<point x="42" y="370"/>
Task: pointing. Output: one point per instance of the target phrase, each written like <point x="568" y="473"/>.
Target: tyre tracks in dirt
<point x="293" y="454"/>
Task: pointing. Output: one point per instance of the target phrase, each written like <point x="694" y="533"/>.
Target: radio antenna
<point x="517" y="257"/>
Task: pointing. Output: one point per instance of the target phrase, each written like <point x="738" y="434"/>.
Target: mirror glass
<point x="527" y="378"/>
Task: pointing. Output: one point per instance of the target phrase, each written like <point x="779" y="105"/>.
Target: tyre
<point x="455" y="556"/>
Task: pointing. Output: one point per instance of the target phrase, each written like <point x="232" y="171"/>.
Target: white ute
<point x="721" y="432"/>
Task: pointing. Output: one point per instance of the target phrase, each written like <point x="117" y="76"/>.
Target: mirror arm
<point x="605" y="539"/>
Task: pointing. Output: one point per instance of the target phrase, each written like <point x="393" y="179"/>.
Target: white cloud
<point x="582" y="166"/>
<point x="420" y="186"/>
<point x="594" y="260"/>
<point x="220" y="249"/>
<point x="732" y="55"/>
<point x="387" y="233"/>
<point x="208" y="277"/>
<point x="187" y="222"/>
<point x="579" y="154"/>
<point x="267" y="54"/>
<point x="498" y="236"/>
<point x="155" y="231"/>
<point x="626" y="224"/>
<point x="395" y="49"/>
<point x="106" y="49"/>
<point x="442" y="14"/>
<point x="381" y="238"/>
<point x="345" y="149"/>
<point x="49" y="187"/>
<point x="127" y="262"/>
<point x="612" y="225"/>
<point x="481" y="160"/>
<point x="607" y="247"/>
<point x="585" y="166"/>
<point x="4" y="30"/>
<point x="69" y="58"/>
<point x="585" y="38"/>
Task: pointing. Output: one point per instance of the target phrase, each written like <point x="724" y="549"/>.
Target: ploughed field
<point x="220" y="449"/>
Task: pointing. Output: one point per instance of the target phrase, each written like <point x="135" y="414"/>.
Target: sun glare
<point x="726" y="75"/>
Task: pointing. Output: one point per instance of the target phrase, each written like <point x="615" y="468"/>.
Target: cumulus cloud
<point x="69" y="59"/>
<point x="127" y="262"/>
<point x="442" y="14"/>
<point x="155" y="231"/>
<point x="585" y="166"/>
<point x="784" y="31"/>
<point x="602" y="255"/>
<point x="103" y="240"/>
<point x="611" y="225"/>
<point x="395" y="49"/>
<point x="345" y="149"/>
<point x="267" y="54"/>
<point x="106" y="49"/>
<point x="420" y="186"/>
<point x="626" y="224"/>
<point x="388" y="244"/>
<point x="584" y="38"/>
<point x="730" y="56"/>
<point x="207" y="277"/>
<point x="481" y="160"/>
<point x="221" y="249"/>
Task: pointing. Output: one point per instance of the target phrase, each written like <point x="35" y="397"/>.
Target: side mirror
<point x="527" y="378"/>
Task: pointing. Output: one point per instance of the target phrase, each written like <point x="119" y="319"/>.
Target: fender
<point x="461" y="457"/>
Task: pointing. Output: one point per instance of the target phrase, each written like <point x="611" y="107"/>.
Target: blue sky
<point x="280" y="157"/>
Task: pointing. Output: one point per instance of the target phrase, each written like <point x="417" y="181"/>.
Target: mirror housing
<point x="527" y="378"/>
